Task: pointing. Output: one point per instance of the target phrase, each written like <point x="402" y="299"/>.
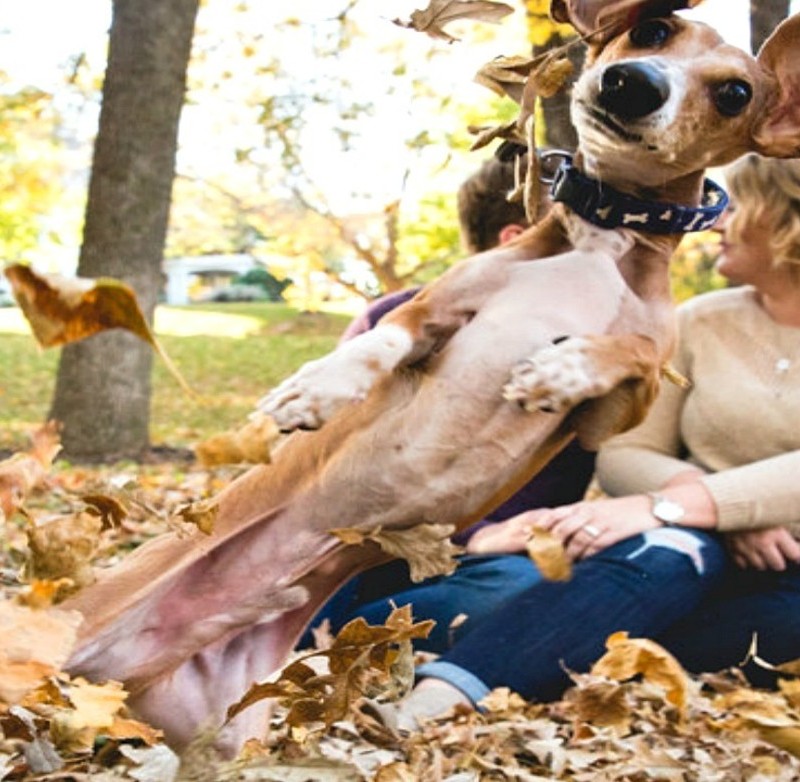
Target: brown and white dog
<point x="458" y="397"/>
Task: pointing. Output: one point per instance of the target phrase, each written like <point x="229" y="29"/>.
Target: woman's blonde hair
<point x="769" y="189"/>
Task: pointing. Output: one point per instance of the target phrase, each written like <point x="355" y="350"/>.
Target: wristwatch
<point x="668" y="512"/>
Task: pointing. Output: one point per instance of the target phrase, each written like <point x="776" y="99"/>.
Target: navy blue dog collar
<point x="606" y="207"/>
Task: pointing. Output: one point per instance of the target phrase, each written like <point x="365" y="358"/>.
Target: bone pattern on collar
<point x="606" y="207"/>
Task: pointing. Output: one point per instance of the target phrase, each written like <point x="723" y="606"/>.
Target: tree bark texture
<point x="103" y="389"/>
<point x="765" y="15"/>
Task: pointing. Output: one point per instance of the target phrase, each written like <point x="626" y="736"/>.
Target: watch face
<point x="668" y="511"/>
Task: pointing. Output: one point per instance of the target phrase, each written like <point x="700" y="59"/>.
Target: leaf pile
<point x="636" y="716"/>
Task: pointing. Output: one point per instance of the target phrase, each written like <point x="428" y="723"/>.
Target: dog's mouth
<point x="614" y="127"/>
<point x="599" y="117"/>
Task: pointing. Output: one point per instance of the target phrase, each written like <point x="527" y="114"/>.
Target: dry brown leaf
<point x="603" y="704"/>
<point x="548" y="554"/>
<point x="42" y="594"/>
<point x="628" y="657"/>
<point x="507" y="75"/>
<point x="33" y="645"/>
<point x="203" y="514"/>
<point x="61" y="310"/>
<point x="438" y="13"/>
<point x="23" y="472"/>
<point x="427" y="547"/>
<point x="250" y="443"/>
<point x="63" y="548"/>
<point x="358" y="654"/>
<point x="112" y="511"/>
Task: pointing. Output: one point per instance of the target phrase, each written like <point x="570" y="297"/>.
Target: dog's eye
<point x="650" y="34"/>
<point x="731" y="97"/>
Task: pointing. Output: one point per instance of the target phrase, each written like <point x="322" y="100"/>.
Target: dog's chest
<point x="574" y="294"/>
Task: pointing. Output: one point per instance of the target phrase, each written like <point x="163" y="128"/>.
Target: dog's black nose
<point x="631" y="90"/>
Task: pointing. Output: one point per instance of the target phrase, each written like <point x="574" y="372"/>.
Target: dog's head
<point x="668" y="97"/>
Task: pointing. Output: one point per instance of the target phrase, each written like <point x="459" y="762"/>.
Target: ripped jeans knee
<point x="667" y="555"/>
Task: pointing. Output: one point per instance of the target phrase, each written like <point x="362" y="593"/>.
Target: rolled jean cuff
<point x="459" y="677"/>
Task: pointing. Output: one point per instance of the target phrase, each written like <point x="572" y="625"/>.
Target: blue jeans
<point x="478" y="587"/>
<point x="718" y="634"/>
<point x="643" y="585"/>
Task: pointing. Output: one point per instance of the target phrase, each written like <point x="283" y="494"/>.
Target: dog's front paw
<point x="313" y="394"/>
<point x="555" y="379"/>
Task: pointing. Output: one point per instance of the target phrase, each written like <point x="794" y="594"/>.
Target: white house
<point x="182" y="271"/>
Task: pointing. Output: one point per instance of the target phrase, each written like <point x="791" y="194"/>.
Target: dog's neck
<point x="605" y="206"/>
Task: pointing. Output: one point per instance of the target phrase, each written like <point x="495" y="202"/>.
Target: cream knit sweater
<point x="739" y="421"/>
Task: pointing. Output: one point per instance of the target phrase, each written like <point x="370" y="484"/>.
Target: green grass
<point x="230" y="354"/>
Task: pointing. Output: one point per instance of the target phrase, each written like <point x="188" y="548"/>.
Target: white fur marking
<point x="320" y="388"/>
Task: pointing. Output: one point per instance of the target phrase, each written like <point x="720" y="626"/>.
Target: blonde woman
<point x="697" y="546"/>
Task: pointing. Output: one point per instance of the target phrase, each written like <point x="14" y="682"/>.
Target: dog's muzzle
<point x="631" y="90"/>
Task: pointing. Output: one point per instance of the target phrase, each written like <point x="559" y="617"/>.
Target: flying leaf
<point x="33" y="645"/>
<point x="431" y="20"/>
<point x="628" y="657"/>
<point x="61" y="310"/>
<point x="548" y="554"/>
<point x="427" y="547"/>
<point x="250" y="443"/>
<point x="22" y="472"/>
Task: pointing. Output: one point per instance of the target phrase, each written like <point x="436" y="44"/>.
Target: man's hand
<point x="764" y="549"/>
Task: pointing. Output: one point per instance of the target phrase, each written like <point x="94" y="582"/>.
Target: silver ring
<point x="591" y="530"/>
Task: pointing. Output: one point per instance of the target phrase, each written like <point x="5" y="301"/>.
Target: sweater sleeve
<point x="761" y="494"/>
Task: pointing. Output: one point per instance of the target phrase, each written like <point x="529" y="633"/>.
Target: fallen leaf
<point x="153" y="764"/>
<point x="250" y="444"/>
<point x="357" y="654"/>
<point x="628" y="657"/>
<point x="202" y="514"/>
<point x="111" y="510"/>
<point x="438" y="13"/>
<point x="548" y="554"/>
<point x="33" y="645"/>
<point x="63" y="548"/>
<point x="61" y="310"/>
<point x="23" y="472"/>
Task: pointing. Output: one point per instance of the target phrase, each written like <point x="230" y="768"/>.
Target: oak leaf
<point x="438" y="13"/>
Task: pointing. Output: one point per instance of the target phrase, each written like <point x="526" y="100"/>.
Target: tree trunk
<point x="764" y="18"/>
<point x="103" y="389"/>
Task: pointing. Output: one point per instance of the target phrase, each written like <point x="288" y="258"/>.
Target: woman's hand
<point x="764" y="549"/>
<point x="584" y="527"/>
<point x="591" y="526"/>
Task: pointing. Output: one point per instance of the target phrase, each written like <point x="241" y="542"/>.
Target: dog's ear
<point x="778" y="131"/>
<point x="611" y="16"/>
